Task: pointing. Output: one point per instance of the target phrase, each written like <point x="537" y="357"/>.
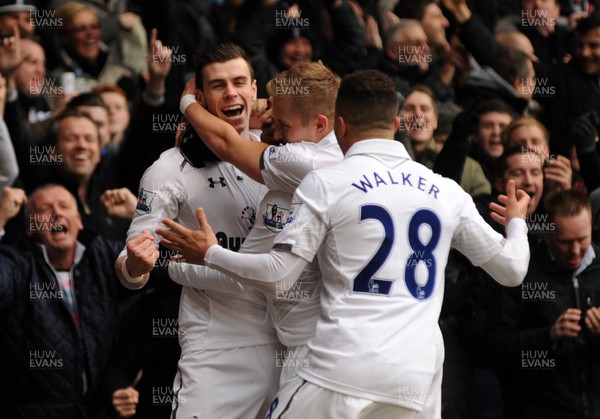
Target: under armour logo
<point x="221" y="182"/>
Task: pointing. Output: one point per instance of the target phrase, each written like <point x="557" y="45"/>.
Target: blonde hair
<point x="311" y="87"/>
<point x="68" y="11"/>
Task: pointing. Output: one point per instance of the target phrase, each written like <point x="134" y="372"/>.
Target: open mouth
<point x="232" y="111"/>
<point x="80" y="157"/>
<point x="58" y="228"/>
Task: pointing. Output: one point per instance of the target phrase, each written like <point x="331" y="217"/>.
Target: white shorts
<point x="292" y="360"/>
<point x="225" y="383"/>
<point x="301" y="400"/>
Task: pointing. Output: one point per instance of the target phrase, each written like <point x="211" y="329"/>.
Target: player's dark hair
<point x="367" y="99"/>
<point x="219" y="53"/>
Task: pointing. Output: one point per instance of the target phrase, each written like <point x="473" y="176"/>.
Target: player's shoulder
<point x="326" y="148"/>
<point x="454" y="190"/>
<point x="231" y="172"/>
<point x="168" y="160"/>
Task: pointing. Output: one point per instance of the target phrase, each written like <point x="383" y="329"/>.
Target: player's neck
<point x="245" y="133"/>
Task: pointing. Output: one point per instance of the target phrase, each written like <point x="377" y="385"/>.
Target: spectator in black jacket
<point x="574" y="86"/>
<point x="477" y="135"/>
<point x="58" y="311"/>
<point x="584" y="135"/>
<point x="546" y="337"/>
<point x="281" y="36"/>
<point x="407" y="59"/>
<point x="431" y="17"/>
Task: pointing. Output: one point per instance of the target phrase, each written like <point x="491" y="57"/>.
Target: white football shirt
<point x="172" y="188"/>
<point x="386" y="225"/>
<point x="293" y="309"/>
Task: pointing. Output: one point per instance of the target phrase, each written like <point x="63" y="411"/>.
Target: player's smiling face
<point x="229" y="92"/>
<point x="289" y="125"/>
<point x="54" y="219"/>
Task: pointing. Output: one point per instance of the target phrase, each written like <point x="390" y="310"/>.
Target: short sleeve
<point x="284" y="167"/>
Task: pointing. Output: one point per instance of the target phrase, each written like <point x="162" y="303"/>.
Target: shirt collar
<point x="380" y="149"/>
<point x="79" y="250"/>
<point x="589" y="256"/>
<point x="330" y="138"/>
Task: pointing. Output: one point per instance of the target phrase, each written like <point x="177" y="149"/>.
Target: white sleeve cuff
<point x="186" y="101"/>
<point x="510" y="266"/>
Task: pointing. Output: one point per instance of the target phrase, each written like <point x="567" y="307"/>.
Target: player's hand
<point x="558" y="173"/>
<point x="125" y="401"/>
<point x="180" y="130"/>
<point x="515" y="204"/>
<point x="10" y="204"/>
<point x="567" y="325"/>
<point x="259" y="108"/>
<point x="190" y="88"/>
<point x="191" y="244"/>
<point x="142" y="254"/>
<point x="592" y="320"/>
<point x="267" y="127"/>
<point x="120" y="203"/>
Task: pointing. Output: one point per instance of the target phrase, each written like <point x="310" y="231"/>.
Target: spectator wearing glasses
<point x="82" y="51"/>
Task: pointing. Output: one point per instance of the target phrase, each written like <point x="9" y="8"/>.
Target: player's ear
<point x="340" y="127"/>
<point x="254" y="90"/>
<point x="396" y="123"/>
<point x="322" y="123"/>
<point x="200" y="98"/>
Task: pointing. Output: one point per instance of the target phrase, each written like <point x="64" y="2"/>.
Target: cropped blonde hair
<point x="311" y="87"/>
